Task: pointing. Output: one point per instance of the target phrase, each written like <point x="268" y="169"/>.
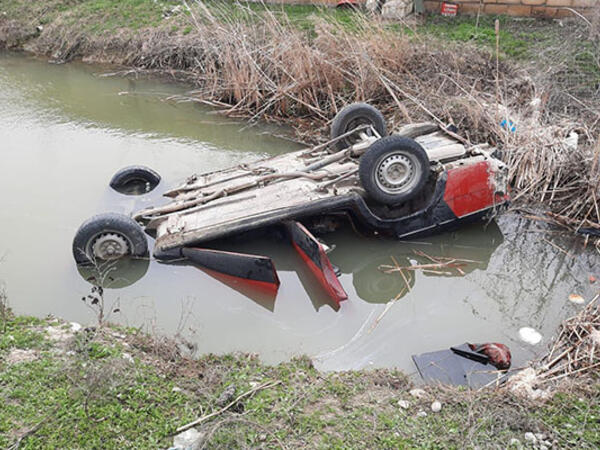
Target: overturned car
<point x="419" y="180"/>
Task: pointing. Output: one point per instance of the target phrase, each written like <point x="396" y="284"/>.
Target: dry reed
<point x="258" y="65"/>
<point x="576" y="351"/>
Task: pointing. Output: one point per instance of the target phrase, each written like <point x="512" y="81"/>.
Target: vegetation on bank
<point x="109" y="387"/>
<point x="300" y="64"/>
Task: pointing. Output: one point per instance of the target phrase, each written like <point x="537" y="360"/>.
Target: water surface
<point x="66" y="129"/>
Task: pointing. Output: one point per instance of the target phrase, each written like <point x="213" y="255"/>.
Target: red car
<point x="421" y="179"/>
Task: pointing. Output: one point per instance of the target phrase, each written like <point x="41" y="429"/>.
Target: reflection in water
<point x="474" y="244"/>
<point x="472" y="247"/>
<point x="115" y="274"/>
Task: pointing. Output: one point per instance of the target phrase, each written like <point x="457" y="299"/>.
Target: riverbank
<point x="64" y="386"/>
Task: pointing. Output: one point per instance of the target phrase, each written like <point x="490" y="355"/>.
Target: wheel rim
<point x="109" y="246"/>
<point x="397" y="172"/>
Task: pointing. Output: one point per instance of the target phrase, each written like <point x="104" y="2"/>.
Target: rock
<point x="397" y="9"/>
<point x="226" y="396"/>
<point x="18" y="355"/>
<point x="187" y="439"/>
<point x="403" y="404"/>
<point x="418" y="393"/>
<point x="530" y="437"/>
<point x="524" y="384"/>
<point x="421" y="414"/>
<point x="529" y="335"/>
<point x="374" y="5"/>
<point x="436" y="406"/>
<point x="58" y="334"/>
<point x="540" y="436"/>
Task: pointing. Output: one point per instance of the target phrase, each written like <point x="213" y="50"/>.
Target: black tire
<point x="135" y="180"/>
<point x="118" y="227"/>
<point x="383" y="170"/>
<point x="353" y="116"/>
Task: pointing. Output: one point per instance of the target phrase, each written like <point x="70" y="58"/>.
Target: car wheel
<point x="393" y="170"/>
<point x="353" y="116"/>
<point x="135" y="180"/>
<point x="108" y="236"/>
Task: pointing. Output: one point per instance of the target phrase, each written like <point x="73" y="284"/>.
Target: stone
<point x="18" y="355"/>
<point x="403" y="404"/>
<point x="418" y="393"/>
<point x="524" y="385"/>
<point x="530" y="437"/>
<point x="374" y="5"/>
<point x="187" y="438"/>
<point x="226" y="396"/>
<point x="397" y="9"/>
<point x="58" y="334"/>
<point x="436" y="406"/>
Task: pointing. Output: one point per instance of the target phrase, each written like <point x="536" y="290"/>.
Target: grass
<point x="465" y="29"/>
<point x="117" y="388"/>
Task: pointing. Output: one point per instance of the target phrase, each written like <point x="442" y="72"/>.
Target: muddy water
<point x="66" y="129"/>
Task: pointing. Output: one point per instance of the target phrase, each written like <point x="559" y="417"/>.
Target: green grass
<point x="84" y="394"/>
<point x="464" y="29"/>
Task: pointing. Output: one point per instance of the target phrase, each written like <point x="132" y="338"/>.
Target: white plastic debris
<point x="75" y="327"/>
<point x="436" y="406"/>
<point x="572" y="140"/>
<point x="577" y="299"/>
<point x="530" y="336"/>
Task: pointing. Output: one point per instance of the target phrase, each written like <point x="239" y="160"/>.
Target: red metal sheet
<point x="255" y="271"/>
<point x="471" y="188"/>
<point x="312" y="253"/>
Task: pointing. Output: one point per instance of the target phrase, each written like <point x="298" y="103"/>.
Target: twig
<point x="198" y="421"/>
